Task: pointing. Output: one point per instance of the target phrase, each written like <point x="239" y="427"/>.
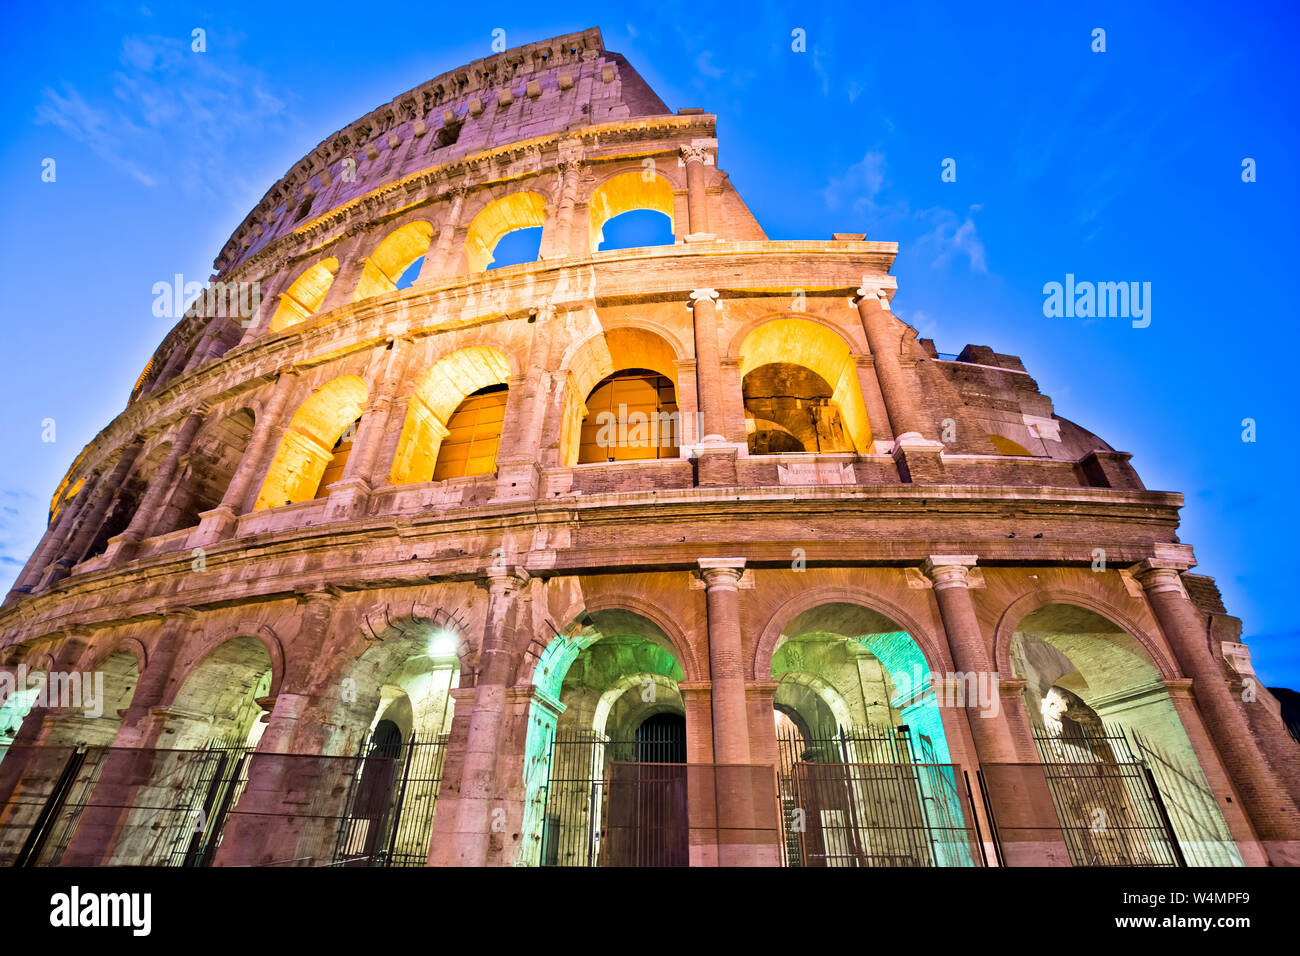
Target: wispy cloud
<point x="194" y="118"/>
<point x="952" y="235"/>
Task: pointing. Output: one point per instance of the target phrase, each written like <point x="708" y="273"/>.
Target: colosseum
<point x="680" y="554"/>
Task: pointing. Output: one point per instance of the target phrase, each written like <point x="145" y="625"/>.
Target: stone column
<point x="881" y="328"/>
<point x="219" y="523"/>
<point x="89" y="524"/>
<point x="992" y="734"/>
<point x="696" y="156"/>
<point x="349" y="495"/>
<point x="732" y="782"/>
<point x="436" y="264"/>
<point x="708" y="363"/>
<point x="518" y="469"/>
<point x="557" y="234"/>
<point x="1271" y="809"/>
<point x="471" y="835"/>
<point x="145" y="519"/>
<point x="54" y="539"/>
<point x="726" y="665"/>
<point x="882" y="433"/>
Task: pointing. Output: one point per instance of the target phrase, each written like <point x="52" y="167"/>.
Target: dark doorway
<point x="661" y="738"/>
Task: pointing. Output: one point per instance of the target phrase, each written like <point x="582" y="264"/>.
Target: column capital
<point x="699" y="151"/>
<point x="871" y="295"/>
<point x="948" y="570"/>
<point x="1165" y="557"/>
<point x="505" y="578"/>
<point x="722" y="572"/>
<point x="703" y="295"/>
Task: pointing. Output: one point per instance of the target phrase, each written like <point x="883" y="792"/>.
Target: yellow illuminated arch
<point x="598" y="358"/>
<point x="305" y="295"/>
<point x="815" y="347"/>
<point x="391" y="258"/>
<point x="438" y="394"/>
<point x="1006" y="446"/>
<point x="523" y="210"/>
<point x="625" y="193"/>
<point x="308" y="443"/>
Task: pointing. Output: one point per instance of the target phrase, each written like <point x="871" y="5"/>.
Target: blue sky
<point x="1115" y="166"/>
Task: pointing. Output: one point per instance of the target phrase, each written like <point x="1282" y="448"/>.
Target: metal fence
<point x="1106" y="800"/>
<point x="862" y="798"/>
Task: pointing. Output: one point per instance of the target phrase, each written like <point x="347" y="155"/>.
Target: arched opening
<point x="218" y="706"/>
<point x="600" y="400"/>
<point x="127" y="500"/>
<point x="104" y="691"/>
<point x="615" y="676"/>
<point x="789" y="408"/>
<point x="340" y="453"/>
<point x="470" y="383"/>
<point x="522" y="210"/>
<point x="305" y="295"/>
<point x="1006" y="446"/>
<point x="217" y="451"/>
<point x="632" y="415"/>
<point x="800" y="384"/>
<point x="401" y="706"/>
<point x="861" y="744"/>
<point x="473" y="435"/>
<point x="1094" y="696"/>
<point x="641" y="191"/>
<point x="312" y="443"/>
<point x="395" y="262"/>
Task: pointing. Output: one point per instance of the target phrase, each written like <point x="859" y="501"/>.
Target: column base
<point x="347" y="499"/>
<point x="215" y="525"/>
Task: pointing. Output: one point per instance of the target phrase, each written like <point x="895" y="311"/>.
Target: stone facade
<point x="193" y="556"/>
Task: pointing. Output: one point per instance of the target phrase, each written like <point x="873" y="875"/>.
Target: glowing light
<point x="443" y="645"/>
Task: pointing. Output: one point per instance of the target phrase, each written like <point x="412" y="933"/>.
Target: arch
<point x="214" y="457"/>
<point x="520" y="210"/>
<point x="626" y="192"/>
<point x="1006" y="446"/>
<point x="205" y="644"/>
<point x="610" y="697"/>
<point x="599" y="357"/>
<point x="308" y="443"/>
<point x="438" y="393"/>
<point x="220" y="694"/>
<point x="936" y="657"/>
<point x="832" y="698"/>
<point x="820" y="349"/>
<point x="395" y="253"/>
<point x="680" y="646"/>
<point x="1039" y="598"/>
<point x="305" y="294"/>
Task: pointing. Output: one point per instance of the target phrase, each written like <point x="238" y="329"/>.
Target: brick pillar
<point x="557" y="233"/>
<point x="53" y="540"/>
<point x="219" y="523"/>
<point x="89" y="523"/>
<point x="438" y="261"/>
<point x="348" y="496"/>
<point x="730" y="710"/>
<point x="145" y="519"/>
<point x="1226" y="794"/>
<point x="1270" y="807"/>
<point x="518" y="474"/>
<point x="696" y="156"/>
<point x="883" y="340"/>
<point x="995" y="740"/>
<point x="877" y="417"/>
<point x="142" y="732"/>
<point x="469" y="839"/>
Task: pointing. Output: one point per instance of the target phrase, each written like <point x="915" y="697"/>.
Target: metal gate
<point x="639" y="808"/>
<point x="388" y="820"/>
<point x="1106" y="799"/>
<point x="162" y="807"/>
<point x="862" y="799"/>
